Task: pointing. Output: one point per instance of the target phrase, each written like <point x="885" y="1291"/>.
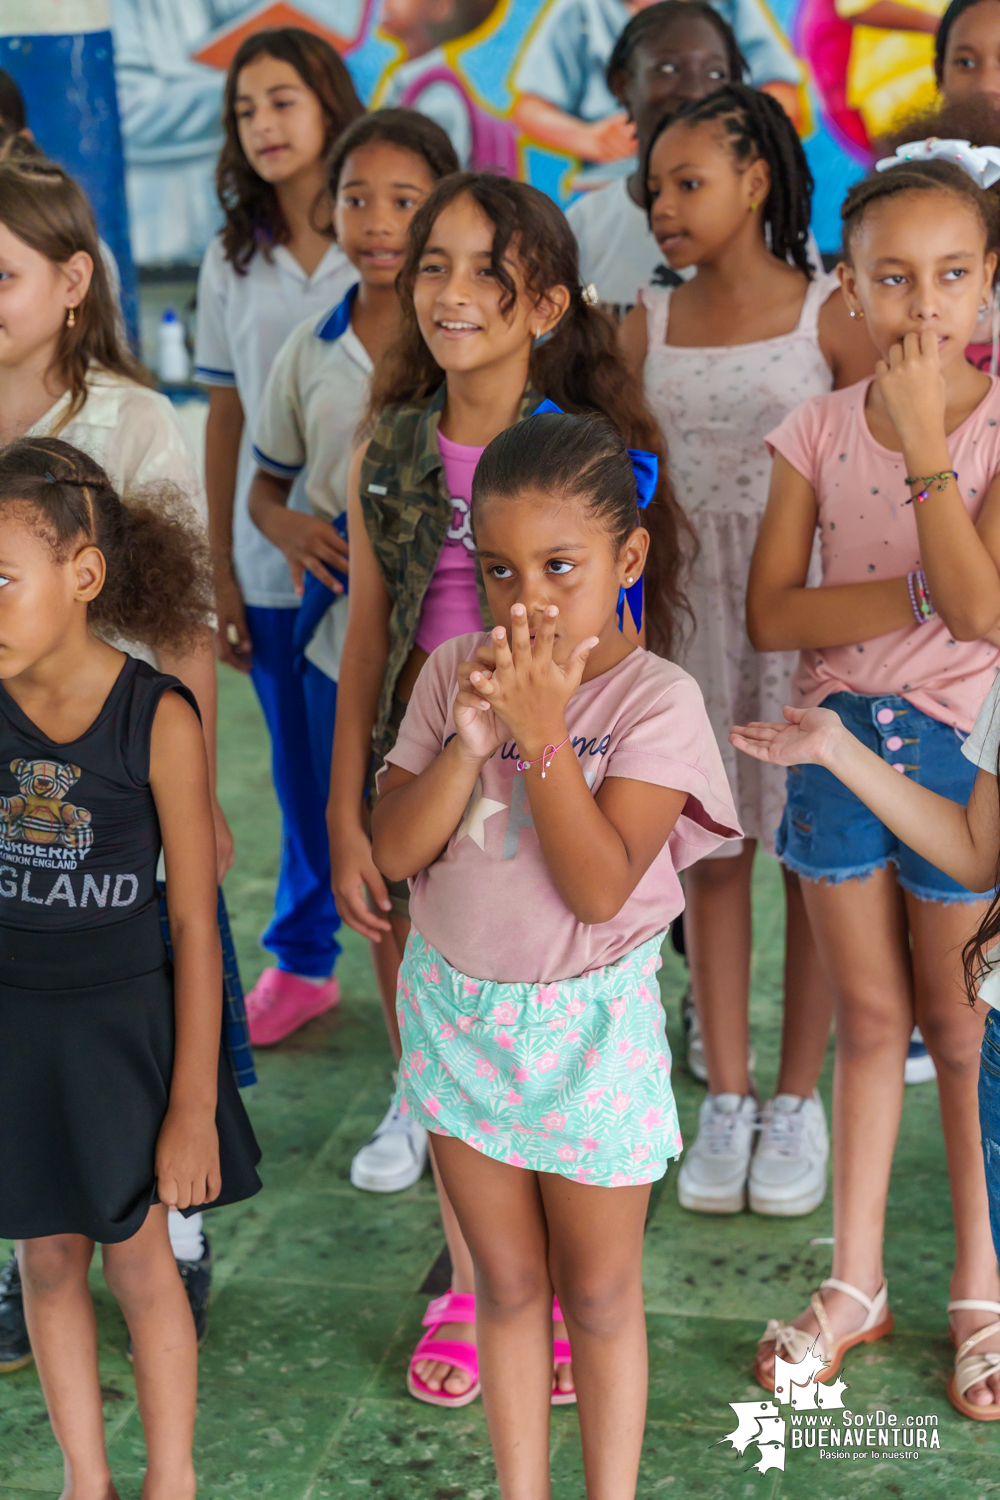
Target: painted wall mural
<point x="518" y="85"/>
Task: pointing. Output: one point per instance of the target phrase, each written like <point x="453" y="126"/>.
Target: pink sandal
<point x="561" y="1355"/>
<point x="453" y="1307"/>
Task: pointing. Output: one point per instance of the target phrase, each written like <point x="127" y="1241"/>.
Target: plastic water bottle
<point x="172" y="356"/>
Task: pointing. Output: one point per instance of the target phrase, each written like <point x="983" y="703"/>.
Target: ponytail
<point x="157" y="589"/>
<point x="578" y="366"/>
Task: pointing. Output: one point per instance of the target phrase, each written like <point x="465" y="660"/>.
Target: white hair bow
<point x="982" y="163"/>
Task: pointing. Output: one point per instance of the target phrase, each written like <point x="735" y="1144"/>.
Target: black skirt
<point x="86" y="1058"/>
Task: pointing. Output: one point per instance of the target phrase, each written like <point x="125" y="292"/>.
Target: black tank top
<point x="79" y="835"/>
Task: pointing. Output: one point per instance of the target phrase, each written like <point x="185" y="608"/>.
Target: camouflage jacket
<point x="407" y="511"/>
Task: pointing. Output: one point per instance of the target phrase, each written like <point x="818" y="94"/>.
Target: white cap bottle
<point x="173" y="363"/>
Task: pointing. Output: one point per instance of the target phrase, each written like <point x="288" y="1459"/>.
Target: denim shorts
<point x="827" y="833"/>
<point x="989" y="1117"/>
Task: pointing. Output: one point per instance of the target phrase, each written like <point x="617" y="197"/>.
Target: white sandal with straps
<point x="793" y="1344"/>
<point x="971" y="1368"/>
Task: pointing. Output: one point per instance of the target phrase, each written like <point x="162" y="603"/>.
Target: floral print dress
<point x="715" y="406"/>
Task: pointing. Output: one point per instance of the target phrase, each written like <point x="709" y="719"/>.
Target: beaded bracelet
<point x="920" y="599"/>
<point x="547" y="756"/>
<point x="940" y="481"/>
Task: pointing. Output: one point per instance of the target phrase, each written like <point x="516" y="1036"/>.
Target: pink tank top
<point x="451" y="603"/>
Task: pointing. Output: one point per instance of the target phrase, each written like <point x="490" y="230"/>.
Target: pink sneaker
<point x="280" y="1003"/>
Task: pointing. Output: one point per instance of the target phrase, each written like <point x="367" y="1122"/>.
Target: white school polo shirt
<point x="307" y="424"/>
<point x="242" y="323"/>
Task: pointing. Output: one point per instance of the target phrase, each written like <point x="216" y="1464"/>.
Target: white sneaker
<point x="713" y="1174"/>
<point x="919" y="1066"/>
<point x="788" y="1171"/>
<point x="394" y="1157"/>
<point x="694" y="1051"/>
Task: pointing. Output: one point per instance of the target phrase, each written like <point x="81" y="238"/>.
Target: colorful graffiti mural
<point x="518" y="84"/>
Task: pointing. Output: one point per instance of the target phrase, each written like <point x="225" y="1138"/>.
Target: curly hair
<point x="918" y="177"/>
<point x="579" y="366"/>
<point x="44" y="207"/>
<point x="758" y="129"/>
<point x="254" y="220"/>
<point x="157" y="590"/>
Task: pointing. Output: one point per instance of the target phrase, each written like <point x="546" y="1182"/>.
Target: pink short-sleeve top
<point x="488" y="903"/>
<point x="868" y="532"/>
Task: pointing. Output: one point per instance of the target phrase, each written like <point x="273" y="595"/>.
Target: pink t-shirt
<point x="868" y="532"/>
<point x="451" y="603"/>
<point x="488" y="903"/>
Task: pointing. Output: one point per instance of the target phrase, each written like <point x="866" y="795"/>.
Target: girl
<point x="493" y="317"/>
<point x="893" y="643"/>
<point x="287" y="98"/>
<point x="669" y="53"/>
<point x="747" y="338"/>
<point x="967" y="49"/>
<point x="572" y="782"/>
<point x="65" y="370"/>
<point x="114" y="1104"/>
<point x="382" y="169"/>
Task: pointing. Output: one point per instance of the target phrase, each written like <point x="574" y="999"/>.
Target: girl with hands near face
<point x="898" y="474"/>
<point x="540" y="808"/>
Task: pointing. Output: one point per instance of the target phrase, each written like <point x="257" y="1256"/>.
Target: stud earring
<point x="71" y="317"/>
<point x="753" y="208"/>
<point x="857" y="313"/>
<point x="628" y="581"/>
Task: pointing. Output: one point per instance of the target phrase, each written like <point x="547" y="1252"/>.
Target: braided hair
<point x="157" y="588"/>
<point x="659" y="18"/>
<point x="919" y="177"/>
<point x="759" y="129"/>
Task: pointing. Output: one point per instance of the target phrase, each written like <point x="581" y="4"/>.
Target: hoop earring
<point x="71" y="317"/>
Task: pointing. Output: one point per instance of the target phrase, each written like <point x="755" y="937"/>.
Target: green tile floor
<point x="318" y="1289"/>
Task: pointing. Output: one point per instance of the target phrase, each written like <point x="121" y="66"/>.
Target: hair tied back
<point x="981" y="163"/>
<point x="646" y="471"/>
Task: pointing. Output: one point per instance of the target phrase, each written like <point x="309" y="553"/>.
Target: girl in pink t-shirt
<point x="900" y="476"/>
<point x="541" y="810"/>
<point x="494" y="317"/>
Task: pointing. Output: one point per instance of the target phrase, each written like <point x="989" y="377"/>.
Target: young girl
<point x="494" y="318"/>
<point x="65" y="370"/>
<point x="382" y="169"/>
<point x="723" y="355"/>
<point x="288" y="96"/>
<point x="114" y="1103"/>
<point x="572" y="781"/>
<point x="900" y="474"/>
<point x="967" y="49"/>
<point x="668" y="54"/>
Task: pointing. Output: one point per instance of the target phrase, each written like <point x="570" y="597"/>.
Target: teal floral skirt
<point x="572" y="1077"/>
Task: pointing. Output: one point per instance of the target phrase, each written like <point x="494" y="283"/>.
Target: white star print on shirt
<point x="479" y="809"/>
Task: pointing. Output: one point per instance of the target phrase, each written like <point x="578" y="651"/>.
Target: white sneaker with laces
<point x="788" y="1171"/>
<point x="713" y="1174"/>
<point x="395" y="1156"/>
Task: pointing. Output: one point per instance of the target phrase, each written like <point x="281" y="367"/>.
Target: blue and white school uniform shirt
<point x="307" y="426"/>
<point x="242" y="323"/>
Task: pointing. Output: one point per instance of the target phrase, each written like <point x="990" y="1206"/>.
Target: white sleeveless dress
<point x="715" y="407"/>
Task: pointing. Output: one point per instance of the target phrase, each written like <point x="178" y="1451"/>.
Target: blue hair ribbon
<point x="646" y="470"/>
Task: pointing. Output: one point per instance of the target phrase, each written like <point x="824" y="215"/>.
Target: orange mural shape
<point x="222" y="46"/>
